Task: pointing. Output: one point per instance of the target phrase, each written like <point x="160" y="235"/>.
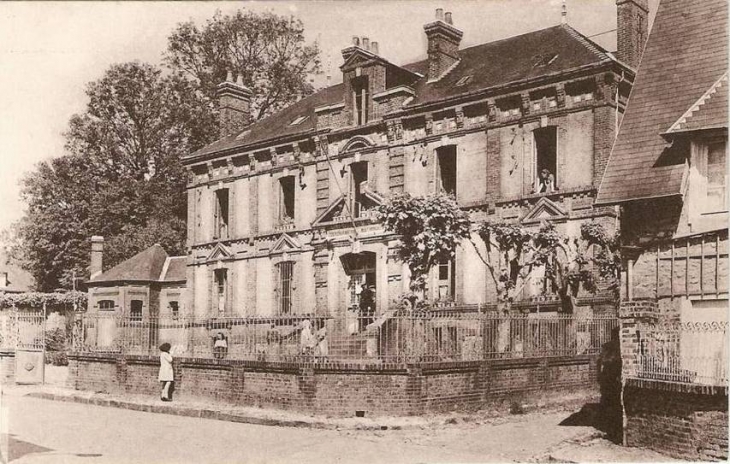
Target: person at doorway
<point x="165" y="375"/>
<point x="220" y="346"/>
<point x="546" y="182"/>
<point x="367" y="306"/>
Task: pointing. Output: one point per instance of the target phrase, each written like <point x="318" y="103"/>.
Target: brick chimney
<point x="632" y="30"/>
<point x="97" y="253"/>
<point x="443" y="45"/>
<point x="234" y="100"/>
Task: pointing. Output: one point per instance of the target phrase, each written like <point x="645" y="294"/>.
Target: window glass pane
<point x="716" y="174"/>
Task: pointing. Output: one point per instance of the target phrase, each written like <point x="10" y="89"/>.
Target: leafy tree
<point x="121" y="177"/>
<point x="568" y="262"/>
<point x="430" y="228"/>
<point x="267" y="50"/>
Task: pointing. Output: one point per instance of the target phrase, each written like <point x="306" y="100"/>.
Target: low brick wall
<point x="7" y="367"/>
<point x="683" y="421"/>
<point x="342" y="389"/>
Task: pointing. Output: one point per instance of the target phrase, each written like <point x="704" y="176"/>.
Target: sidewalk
<point x="274" y="417"/>
<point x="598" y="449"/>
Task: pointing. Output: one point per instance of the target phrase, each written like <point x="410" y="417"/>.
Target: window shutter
<point x="229" y="292"/>
<point x="232" y="211"/>
<point x="294" y="299"/>
<point x="216" y="215"/>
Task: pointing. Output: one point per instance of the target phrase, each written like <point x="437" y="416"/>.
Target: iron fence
<point x="21" y="330"/>
<point x="689" y="352"/>
<point x="392" y="337"/>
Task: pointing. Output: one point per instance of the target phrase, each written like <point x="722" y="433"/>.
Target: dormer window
<point x="464" y="80"/>
<point x="360" y="96"/>
<point x="710" y="186"/>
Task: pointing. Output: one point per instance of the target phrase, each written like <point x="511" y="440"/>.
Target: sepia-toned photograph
<point x="364" y="231"/>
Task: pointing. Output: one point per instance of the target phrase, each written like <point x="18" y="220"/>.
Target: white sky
<point x="49" y="51"/>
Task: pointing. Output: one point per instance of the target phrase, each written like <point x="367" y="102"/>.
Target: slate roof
<point x="493" y="64"/>
<point x="685" y="55"/>
<point x="19" y="280"/>
<point x="145" y="266"/>
<point x="176" y="269"/>
<point x="709" y="112"/>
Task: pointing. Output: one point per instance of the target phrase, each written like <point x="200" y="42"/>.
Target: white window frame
<point x="698" y="182"/>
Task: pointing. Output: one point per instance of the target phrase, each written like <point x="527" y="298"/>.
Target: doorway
<point x="361" y="289"/>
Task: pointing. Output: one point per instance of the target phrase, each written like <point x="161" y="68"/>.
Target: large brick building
<point x="280" y="212"/>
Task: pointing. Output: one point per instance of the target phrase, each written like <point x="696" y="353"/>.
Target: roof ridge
<point x="164" y="269"/>
<point x="698" y="103"/>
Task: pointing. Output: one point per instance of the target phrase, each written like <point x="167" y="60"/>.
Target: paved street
<point x="43" y="431"/>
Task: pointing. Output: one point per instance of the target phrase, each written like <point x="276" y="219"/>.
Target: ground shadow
<point x="605" y="416"/>
<point x="16" y="449"/>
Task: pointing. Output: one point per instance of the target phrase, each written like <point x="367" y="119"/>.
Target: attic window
<point x="299" y="120"/>
<point x="544" y="60"/>
<point x="464" y="80"/>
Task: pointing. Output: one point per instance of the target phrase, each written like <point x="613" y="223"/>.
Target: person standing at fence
<point x="166" y="374"/>
<point x="220" y="346"/>
<point x="367" y="306"/>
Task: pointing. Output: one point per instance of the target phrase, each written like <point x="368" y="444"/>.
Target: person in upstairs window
<point x="166" y="375"/>
<point x="546" y="182"/>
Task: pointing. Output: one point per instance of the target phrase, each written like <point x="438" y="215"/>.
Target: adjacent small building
<point x="13" y="278"/>
<point x="668" y="172"/>
<point x="150" y="284"/>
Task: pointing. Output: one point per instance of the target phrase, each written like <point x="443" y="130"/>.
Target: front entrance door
<point x="361" y="290"/>
<point x="30" y="347"/>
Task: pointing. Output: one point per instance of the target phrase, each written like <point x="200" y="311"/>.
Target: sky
<point x="49" y="51"/>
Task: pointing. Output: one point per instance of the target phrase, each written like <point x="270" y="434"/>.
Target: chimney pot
<point x="229" y="76"/>
<point x="366" y="43"/>
<point x="355" y="40"/>
<point x="239" y="80"/>
<point x="374" y="47"/>
<point x="439" y="14"/>
<point x="449" y="20"/>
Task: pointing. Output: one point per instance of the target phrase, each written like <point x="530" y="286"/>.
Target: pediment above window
<point x="219" y="252"/>
<point x="545" y="210"/>
<point x="356" y="143"/>
<point x="284" y="244"/>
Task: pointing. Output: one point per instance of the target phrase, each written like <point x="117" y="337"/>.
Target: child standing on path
<point x="166" y="376"/>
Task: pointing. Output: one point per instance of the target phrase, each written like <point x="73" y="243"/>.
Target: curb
<point x="207" y="413"/>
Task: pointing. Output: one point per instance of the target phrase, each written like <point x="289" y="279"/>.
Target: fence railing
<point x="689" y="352"/>
<point x="392" y="337"/>
<point x="21" y="330"/>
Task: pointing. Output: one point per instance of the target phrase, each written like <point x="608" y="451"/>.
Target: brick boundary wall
<point x="340" y="389"/>
<point x="683" y="421"/>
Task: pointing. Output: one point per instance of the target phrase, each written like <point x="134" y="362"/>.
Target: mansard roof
<point x="150" y="265"/>
<point x="685" y="55"/>
<point x="535" y="55"/>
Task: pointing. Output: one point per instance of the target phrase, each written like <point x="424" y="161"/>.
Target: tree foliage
<point x="430" y="228"/>
<point x="121" y="176"/>
<point x="569" y="262"/>
<point x="268" y="51"/>
<point x="36" y="300"/>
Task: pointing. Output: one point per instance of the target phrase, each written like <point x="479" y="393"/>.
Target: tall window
<point x="221" y="214"/>
<point x="447" y="279"/>
<point x="221" y="289"/>
<point x="286" y="198"/>
<point x="106" y="305"/>
<point x="360" y="99"/>
<point x="286" y="284"/>
<point x="546" y="159"/>
<point x="135" y="310"/>
<point x="446" y="158"/>
<point x="359" y="172"/>
<point x="174" y="309"/>
<point x="716" y="175"/>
